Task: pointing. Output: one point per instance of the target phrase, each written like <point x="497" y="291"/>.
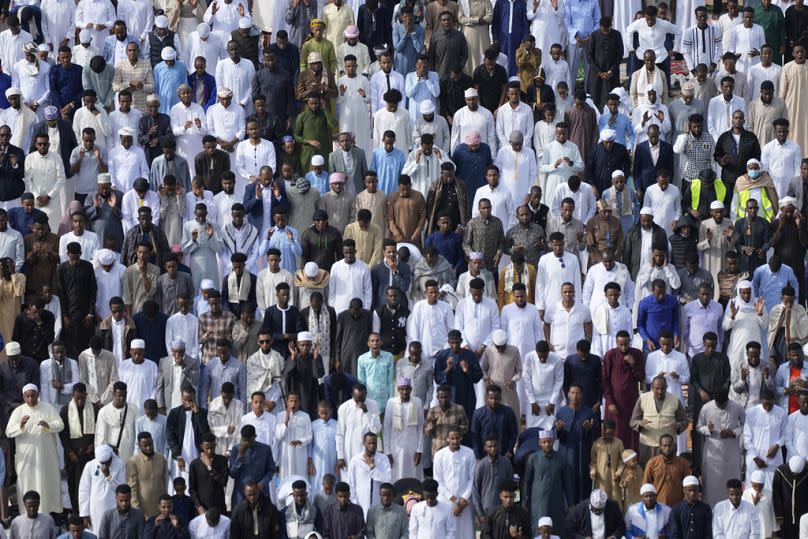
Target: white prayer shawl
<point x="429" y="325"/>
<point x="264" y="374"/>
<point x="606" y="323"/>
<point x="220" y="418"/>
<point x="185" y="327"/>
<point x="293" y="459"/>
<point x="429" y="522"/>
<point x="20" y="121"/>
<point x="354" y="113"/>
<point x="760" y="432"/>
<point x="108" y="425"/>
<point x="78" y="427"/>
<point x="403" y="432"/>
<point x="50" y="394"/>
<point x="765" y="511"/>
<point x="729" y="521"/>
<point x="454" y="472"/>
<point x="189" y="140"/>
<point x="542" y="383"/>
<point x="140" y="380"/>
<point x="37" y="460"/>
<point x="352" y="424"/>
<point x="45" y="175"/>
<point x="365" y="482"/>
<point x="97" y="492"/>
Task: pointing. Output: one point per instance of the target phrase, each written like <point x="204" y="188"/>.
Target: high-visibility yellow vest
<point x="695" y="192"/>
<point x="743" y="197"/>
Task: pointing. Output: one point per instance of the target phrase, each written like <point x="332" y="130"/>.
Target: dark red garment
<point x="621" y="387"/>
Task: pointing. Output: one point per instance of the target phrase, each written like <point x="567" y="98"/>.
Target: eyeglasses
<point x="264" y="341"/>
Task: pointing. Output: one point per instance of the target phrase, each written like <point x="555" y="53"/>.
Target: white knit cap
<point x="646" y="488"/>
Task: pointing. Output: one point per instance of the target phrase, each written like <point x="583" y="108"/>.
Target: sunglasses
<point x="264" y="341"/>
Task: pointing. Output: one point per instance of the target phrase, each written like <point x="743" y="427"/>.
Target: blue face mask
<point x="754" y="173"/>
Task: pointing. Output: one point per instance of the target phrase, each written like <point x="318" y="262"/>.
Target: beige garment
<point x="500" y="369"/>
<point x="368" y="242"/>
<point x="477" y="35"/>
<point x="432" y="17"/>
<point x="11" y="293"/>
<point x="608" y="465"/>
<point x="147" y="478"/>
<point x="794" y="91"/>
<point x="759" y="118"/>
<point x="376" y="203"/>
<point x="714" y="251"/>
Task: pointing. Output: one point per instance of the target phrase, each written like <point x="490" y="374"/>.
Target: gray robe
<point x="721" y="457"/>
<point x="547" y="487"/>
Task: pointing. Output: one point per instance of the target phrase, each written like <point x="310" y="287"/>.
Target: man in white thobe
<point x="514" y="116"/>
<point x="474" y="117"/>
<point x="349" y="279"/>
<point x="19" y="118"/>
<point x="542" y="378"/>
<point x="224" y="416"/>
<point x="203" y="43"/>
<point x="34" y="426"/>
<point x="109" y="278"/>
<point x="355" y="417"/>
<point x="554" y="269"/>
<point x="453" y="469"/>
<point x="430" y="322"/>
<point x="566" y="322"/>
<point x="236" y="73"/>
<point x="764" y="433"/>
<point x="127" y="161"/>
<point x="12" y="41"/>
<point x="517" y="166"/>
<point x="561" y="159"/>
<point x="423" y="164"/>
<point x="673" y="365"/>
<point x="503" y="205"/>
<point x="651" y="112"/>
<point x="269" y="278"/>
<point x="477" y="316"/>
<point x="139" y="375"/>
<point x="45" y="179"/>
<point x="663" y="199"/>
<point x="97" y="17"/>
<point x="393" y="117"/>
<point x="721" y="108"/>
<point x="265" y="424"/>
<point x="119" y="415"/>
<point x="251" y="155"/>
<point x="57" y="376"/>
<point x="183" y="325"/>
<point x="223" y="16"/>
<point x="735" y="517"/>
<point x="781" y="158"/>
<point x="366" y="472"/>
<point x="188" y="124"/>
<point x="99" y="479"/>
<point x="403" y="430"/>
<point x="581" y="194"/>
<point x="202" y="243"/>
<point x="797" y="431"/>
<point x="226" y="120"/>
<point x="745" y="41"/>
<point x="30" y="75"/>
<point x="605" y="272"/>
<point x="352" y="104"/>
<point x="294" y="438"/>
<point x="431" y="517"/>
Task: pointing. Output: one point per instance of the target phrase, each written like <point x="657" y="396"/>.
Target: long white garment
<point x="551" y="273"/>
<point x="37" y="460"/>
<point x="32" y="80"/>
<point x="95" y="12"/>
<point x="598" y="277"/>
<point x="226" y="18"/>
<point x="265" y="428"/>
<point x="741" y="41"/>
<point x="425" y="170"/>
<point x="765" y="511"/>
<point x="108" y="426"/>
<point x="203" y="252"/>
<point x="354" y="113"/>
<point x="365" y="481"/>
<point x="250" y="158"/>
<point x="222" y="419"/>
<point x="566" y="327"/>
<point x="265" y="284"/>
<point x="189" y="451"/>
<point x="761" y="431"/>
<point x="349" y="281"/>
<point x="403" y="436"/>
<point x="517" y="170"/>
<point x="50" y="394"/>
<point x="200" y="529"/>
<point x="547" y="25"/>
<point x="729" y="521"/>
<point x="88" y="241"/>
<point x="140" y="380"/>
<point x="84" y="118"/>
<point x="264" y="375"/>
<point x="189" y="139"/>
<point x="429" y="522"/>
<point x="542" y="384"/>
<point x="641" y="131"/>
<point x="139" y="17"/>
<point x="211" y="49"/>
<point x="523" y="326"/>
<point x="45" y="175"/>
<point x="781" y="161"/>
<point x="293" y="459"/>
<point x="509" y="120"/>
<point x="584" y="199"/>
<point x="665" y="205"/>
<point x="429" y="325"/>
<point x="606" y="323"/>
<point x="465" y="121"/>
<point x="323" y="451"/>
<point x="747" y="326"/>
<point x="131" y="204"/>
<point x="11" y="46"/>
<point x="454" y="472"/>
<point x="119" y="120"/>
<point x="185" y="327"/>
<point x="110" y="284"/>
<point x="659" y="363"/>
<point x="398" y="122"/>
<point x="226" y="123"/>
<point x="757" y="74"/>
<point x="503" y="205"/>
<point x="97" y="492"/>
<point x="352" y="424"/>
<point x="125" y="165"/>
<point x="555" y="175"/>
<point x="20" y="121"/>
<point x="238" y="77"/>
<point x="719" y="114"/>
<point x="797" y="434"/>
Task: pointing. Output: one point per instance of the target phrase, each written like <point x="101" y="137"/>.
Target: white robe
<point x="747" y="326"/>
<point x="110" y="284"/>
<point x="403" y="433"/>
<point x="185" y="327"/>
<point x="797" y="435"/>
<point x="765" y="511"/>
<point x="45" y="175"/>
<point x="95" y="12"/>
<point x="547" y="25"/>
<point x="760" y="432"/>
<point x="37" y="459"/>
<point x="397" y="122"/>
<point x="352" y="424"/>
<point x="293" y="460"/>
<point x="429" y="325"/>
<point x="542" y="383"/>
<point x="96" y="492"/>
<point x="189" y="140"/>
<point x="323" y="451"/>
<point x="454" y="472"/>
<point x="741" y="40"/>
<point x="731" y="522"/>
<point x="555" y="175"/>
<point x="551" y="274"/>
<point x="202" y="253"/>
<point x="140" y="380"/>
<point x="220" y="419"/>
<point x="354" y="112"/>
<point x="50" y="394"/>
<point x="365" y="482"/>
<point x="465" y="121"/>
<point x="108" y="427"/>
<point x="517" y="169"/>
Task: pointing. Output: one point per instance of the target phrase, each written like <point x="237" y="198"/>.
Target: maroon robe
<point x="621" y="387"/>
<point x="583" y="132"/>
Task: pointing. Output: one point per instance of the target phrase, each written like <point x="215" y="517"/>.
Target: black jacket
<point x="175" y="429"/>
<point x="747" y="148"/>
<point x="269" y="520"/>
<point x="644" y="171"/>
<point x="633" y="247"/>
<point x="12" y="179"/>
<point x="579" y="523"/>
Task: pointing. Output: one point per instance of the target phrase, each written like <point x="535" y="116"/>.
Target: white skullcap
<point x="796" y="464"/>
<point x="597" y="499"/>
<point x="206" y="284"/>
<point x="646" y="488"/>
<point x="106" y="257"/>
<point x="545" y="521"/>
<point x="168" y="53"/>
<point x="125" y="132"/>
<point x="499" y="337"/>
<point x="305" y="336"/>
<point x="13" y="348"/>
<point x="244" y="23"/>
<point x="785" y="201"/>
<point x="607" y="134"/>
<point x="690" y="481"/>
<point x="351" y="31"/>
<point x="475" y="255"/>
<point x="178" y="344"/>
<point x="546" y="435"/>
<point x="716" y="205"/>
<point x="471" y="92"/>
<point x="85" y="36"/>
<point x="646" y="211"/>
<point x="103" y="453"/>
<point x="138" y="343"/>
<point x="617" y="173"/>
<point x="161" y="21"/>
<point x="628" y="454"/>
<point x="13" y="90"/>
<point x="426" y="107"/>
<point x="104" y="178"/>
<point x="318" y="161"/>
<point x="311" y="269"/>
<point x="203" y="30"/>
<point x="314" y="57"/>
<point x="753" y="161"/>
<point x="43" y="48"/>
<point x="758" y="477"/>
<point x="29" y="387"/>
<point x="223" y="92"/>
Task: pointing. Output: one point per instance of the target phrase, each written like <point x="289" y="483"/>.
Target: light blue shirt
<point x="166" y="80"/>
<point x="770" y="285"/>
<point x="319" y="182"/>
<point x="157" y="428"/>
<point x="781" y="382"/>
<point x="378" y="374"/>
<point x="290" y="249"/>
<point x="622" y="127"/>
<point x="216" y="374"/>
<point x="388" y="167"/>
<point x="581" y="18"/>
<point x="84" y="535"/>
<point x="419" y="90"/>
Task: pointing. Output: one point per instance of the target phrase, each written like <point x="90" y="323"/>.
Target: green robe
<point x="314" y="126"/>
<point x="774" y="28"/>
<point x="326" y="50"/>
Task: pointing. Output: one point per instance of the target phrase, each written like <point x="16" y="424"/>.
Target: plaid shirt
<point x="211" y="329"/>
<point x="696" y="155"/>
<point x="439" y="431"/>
<point x="125" y="72"/>
<point x="487" y="237"/>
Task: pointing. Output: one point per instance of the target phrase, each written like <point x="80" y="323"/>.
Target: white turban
<point x="168" y="53"/>
<point x="545" y="521"/>
<point x="140" y="344"/>
<point x="103" y="453"/>
<point x="758" y="477"/>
